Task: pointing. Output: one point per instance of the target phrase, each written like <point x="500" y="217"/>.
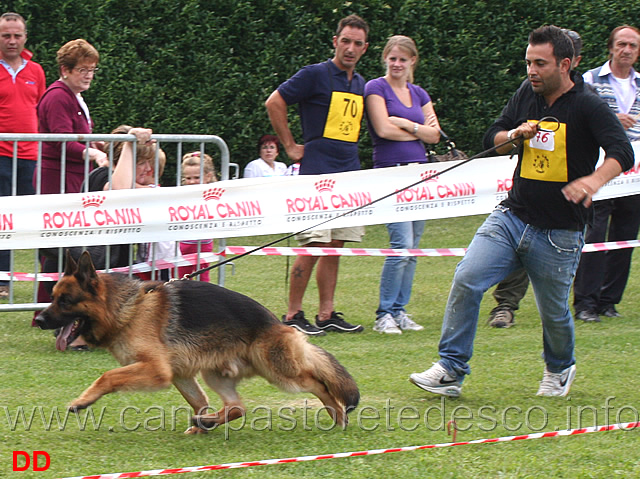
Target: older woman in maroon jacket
<point x="63" y="110"/>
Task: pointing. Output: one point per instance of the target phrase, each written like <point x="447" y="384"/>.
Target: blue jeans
<point x="24" y="186"/>
<point x="397" y="273"/>
<point x="502" y="245"/>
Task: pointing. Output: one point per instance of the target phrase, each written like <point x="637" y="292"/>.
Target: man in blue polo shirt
<point x="330" y="100"/>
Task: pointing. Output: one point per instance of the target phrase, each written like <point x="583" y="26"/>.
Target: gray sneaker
<point x="557" y="384"/>
<point x="437" y="380"/>
<point x="386" y="324"/>
<point x="501" y="318"/>
<point x="404" y="322"/>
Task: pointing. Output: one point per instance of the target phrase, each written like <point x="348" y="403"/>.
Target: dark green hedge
<point x="206" y="67"/>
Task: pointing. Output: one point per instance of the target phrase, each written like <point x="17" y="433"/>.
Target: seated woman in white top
<point x="266" y="165"/>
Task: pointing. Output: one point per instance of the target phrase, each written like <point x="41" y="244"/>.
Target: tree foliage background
<point x="206" y="66"/>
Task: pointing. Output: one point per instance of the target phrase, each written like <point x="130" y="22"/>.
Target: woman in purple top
<point x="63" y="110"/>
<point x="400" y="118"/>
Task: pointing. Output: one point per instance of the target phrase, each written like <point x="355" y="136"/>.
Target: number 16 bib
<point x="545" y="155"/>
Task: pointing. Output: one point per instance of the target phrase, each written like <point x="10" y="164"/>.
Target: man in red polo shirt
<point x="22" y="83"/>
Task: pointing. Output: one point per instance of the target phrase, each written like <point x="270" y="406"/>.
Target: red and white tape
<point x="185" y="260"/>
<point x="302" y="251"/>
<point x="190" y="259"/>
<point x="371" y="452"/>
<point x="610" y="245"/>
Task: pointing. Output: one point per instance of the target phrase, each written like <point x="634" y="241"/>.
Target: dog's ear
<point x="85" y="272"/>
<point x="70" y="264"/>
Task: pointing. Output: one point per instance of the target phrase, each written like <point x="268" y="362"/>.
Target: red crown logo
<point x="213" y="194"/>
<point x="92" y="200"/>
<point x="429" y="174"/>
<point x="325" y="185"/>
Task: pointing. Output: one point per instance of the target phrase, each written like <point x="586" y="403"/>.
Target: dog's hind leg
<point x="295" y="365"/>
<point x="195" y="396"/>
<point x="232" y="406"/>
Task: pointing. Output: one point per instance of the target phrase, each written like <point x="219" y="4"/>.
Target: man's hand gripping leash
<point x="580" y="190"/>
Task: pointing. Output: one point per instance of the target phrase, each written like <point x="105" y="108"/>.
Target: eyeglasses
<point x="85" y="71"/>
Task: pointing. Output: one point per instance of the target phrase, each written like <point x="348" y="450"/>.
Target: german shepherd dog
<point x="163" y="333"/>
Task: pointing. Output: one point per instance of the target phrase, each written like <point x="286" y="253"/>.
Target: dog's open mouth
<point x="67" y="335"/>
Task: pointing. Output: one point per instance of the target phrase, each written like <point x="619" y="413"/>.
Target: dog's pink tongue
<point x="61" y="340"/>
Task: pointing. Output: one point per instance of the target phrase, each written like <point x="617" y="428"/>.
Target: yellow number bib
<point x="345" y="117"/>
<point x="545" y="155"/>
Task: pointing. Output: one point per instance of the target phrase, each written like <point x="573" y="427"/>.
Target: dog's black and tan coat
<point x="164" y="333"/>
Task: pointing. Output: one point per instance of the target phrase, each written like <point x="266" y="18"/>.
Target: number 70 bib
<point x="344" y="117"/>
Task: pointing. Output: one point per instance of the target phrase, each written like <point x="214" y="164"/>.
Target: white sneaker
<point x="386" y="324"/>
<point x="404" y="322"/>
<point x="557" y="384"/>
<point x="437" y="380"/>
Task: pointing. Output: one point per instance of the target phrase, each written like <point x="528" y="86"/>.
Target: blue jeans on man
<point x="398" y="271"/>
<point x="24" y="186"/>
<point x="502" y="245"/>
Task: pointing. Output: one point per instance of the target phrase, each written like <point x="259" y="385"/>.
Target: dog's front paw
<point x="77" y="405"/>
<point x="195" y="430"/>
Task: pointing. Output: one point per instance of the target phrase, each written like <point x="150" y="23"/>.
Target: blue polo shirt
<point x="310" y="88"/>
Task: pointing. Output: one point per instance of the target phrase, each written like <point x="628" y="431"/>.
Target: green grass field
<point x="143" y="431"/>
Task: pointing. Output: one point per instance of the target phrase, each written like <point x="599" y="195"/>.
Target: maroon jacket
<point x="60" y="112"/>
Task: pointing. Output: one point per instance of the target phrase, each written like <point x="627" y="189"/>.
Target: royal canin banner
<point x="259" y="206"/>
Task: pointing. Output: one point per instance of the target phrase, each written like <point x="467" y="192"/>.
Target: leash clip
<point x="451" y="146"/>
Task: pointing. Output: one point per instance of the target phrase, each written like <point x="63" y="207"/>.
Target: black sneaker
<point x="337" y="323"/>
<point x="609" y="312"/>
<point x="302" y="324"/>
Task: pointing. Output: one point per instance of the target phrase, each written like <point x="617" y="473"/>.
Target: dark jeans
<point x="602" y="276"/>
<point x="24" y="186"/>
<point x="510" y="291"/>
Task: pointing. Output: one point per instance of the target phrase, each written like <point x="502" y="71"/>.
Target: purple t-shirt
<point x="389" y="152"/>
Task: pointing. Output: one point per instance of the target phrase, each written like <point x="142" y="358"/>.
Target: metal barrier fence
<point x="173" y="145"/>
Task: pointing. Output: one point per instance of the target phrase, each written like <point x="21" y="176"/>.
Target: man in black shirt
<point x="558" y="126"/>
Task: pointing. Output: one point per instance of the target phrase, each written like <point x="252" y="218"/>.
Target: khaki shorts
<point x="354" y="233"/>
